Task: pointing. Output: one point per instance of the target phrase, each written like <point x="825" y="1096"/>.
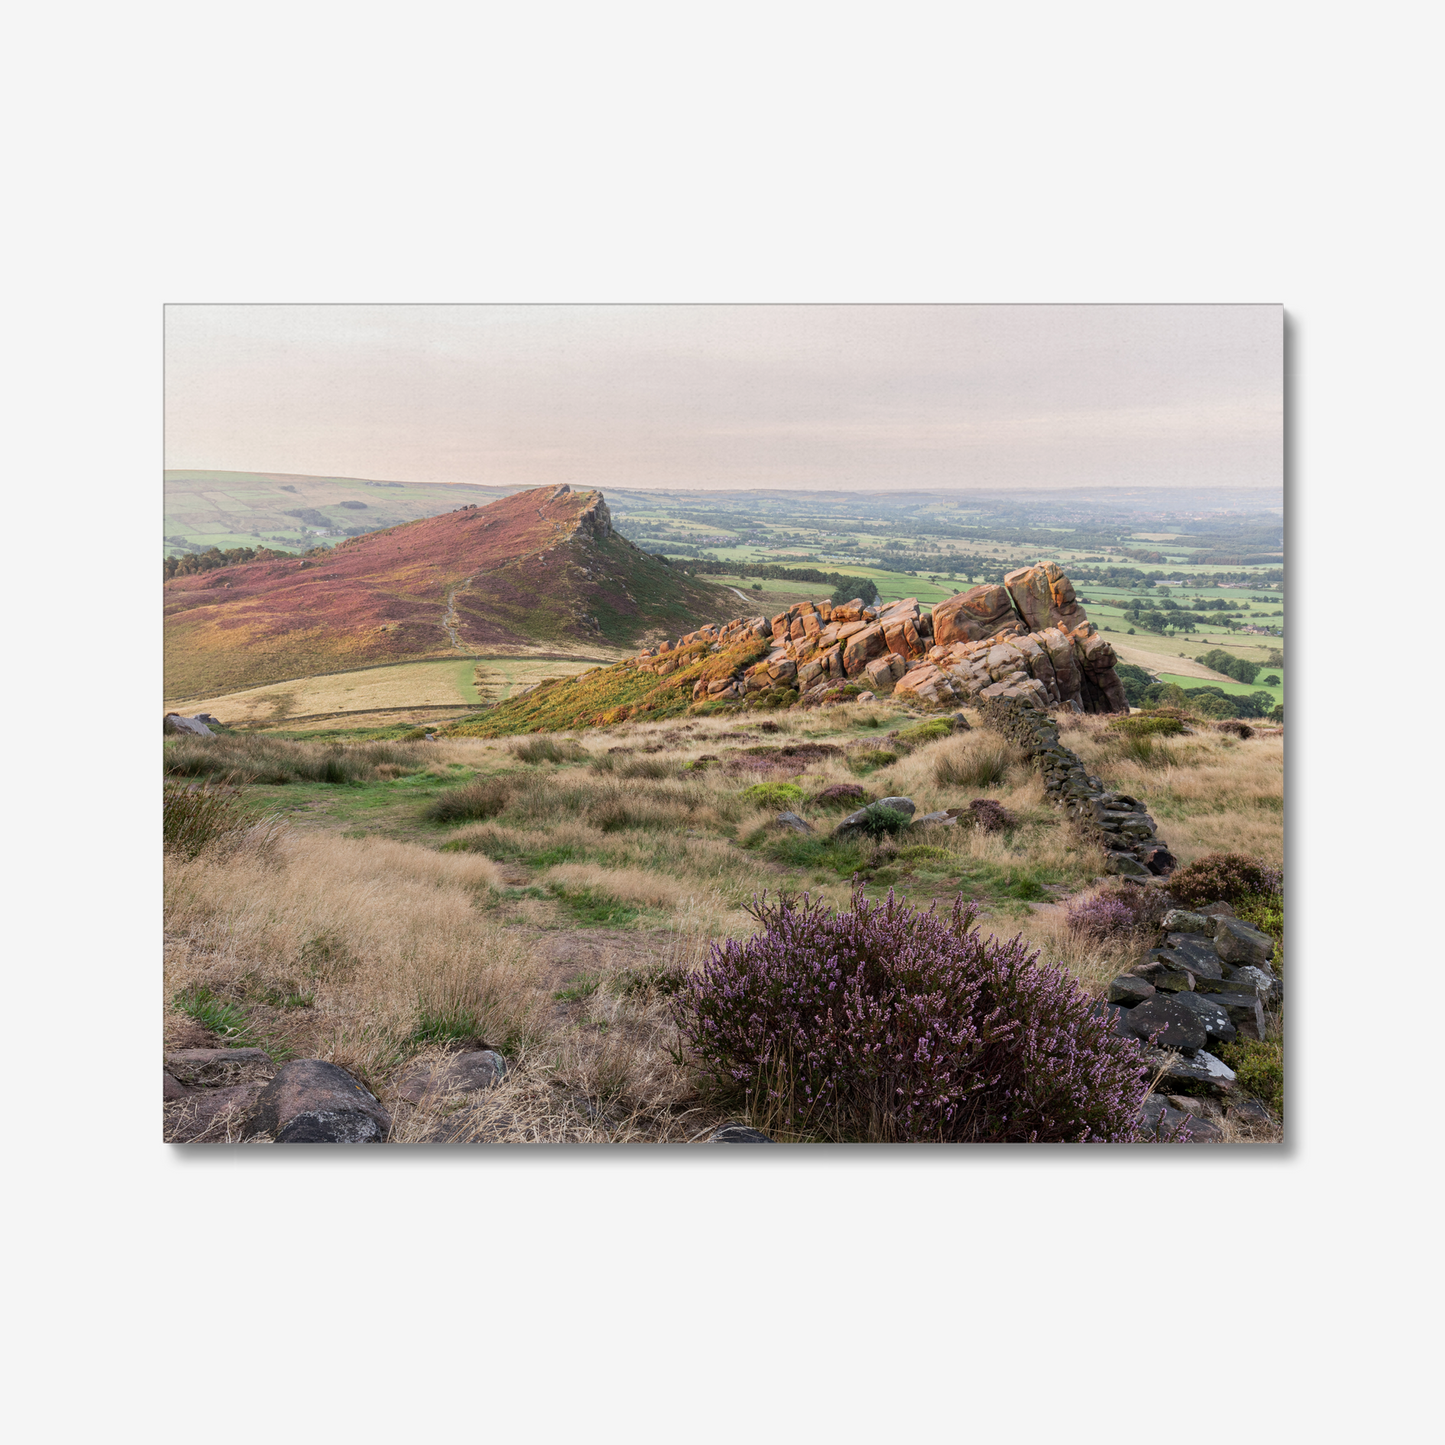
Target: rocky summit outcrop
<point x="1028" y="639"/>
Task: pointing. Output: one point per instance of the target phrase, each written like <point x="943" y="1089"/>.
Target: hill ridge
<point x="545" y="566"/>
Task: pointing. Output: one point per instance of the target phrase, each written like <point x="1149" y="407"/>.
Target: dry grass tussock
<point x="398" y="953"/>
<point x="1093" y="961"/>
<point x="1209" y="792"/>
<point x="383" y="936"/>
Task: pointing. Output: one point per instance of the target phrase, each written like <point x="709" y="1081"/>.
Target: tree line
<point x="845" y="587"/>
<point x="214" y="557"/>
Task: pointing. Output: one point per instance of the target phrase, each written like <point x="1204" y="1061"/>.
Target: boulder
<point x="929" y="684"/>
<point x="1044" y="597"/>
<point x="737" y="1134"/>
<point x="210" y="1068"/>
<point x="1217" y="911"/>
<point x="793" y="821"/>
<point x="191" y="725"/>
<point x="1125" y="865"/>
<point x="458" y="1074"/>
<point x="1203" y="1068"/>
<point x="974" y="615"/>
<point x="854" y="821"/>
<point x="1177" y="1026"/>
<point x="1242" y="945"/>
<point x="1184" y="950"/>
<point x="1160" y="1122"/>
<point x="1128" y="990"/>
<point x="1172" y="980"/>
<point x="311" y="1101"/>
<point x="883" y="673"/>
<point x="861" y="648"/>
<point x="1213" y="1016"/>
<point x="899" y="805"/>
<point x="173" y="1089"/>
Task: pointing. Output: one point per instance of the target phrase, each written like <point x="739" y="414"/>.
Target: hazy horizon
<point x="734" y="398"/>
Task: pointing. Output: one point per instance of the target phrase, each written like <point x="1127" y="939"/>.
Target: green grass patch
<point x="594" y="909"/>
<point x="581" y="988"/>
<point x="773" y="795"/>
<point x="925" y="732"/>
<point x="481" y="798"/>
<point x="1139" y="727"/>
<point x="869" y="760"/>
<point x="551" y="750"/>
<point x="1259" y="1067"/>
<point x="443" y="1026"/>
<point x="222" y="1017"/>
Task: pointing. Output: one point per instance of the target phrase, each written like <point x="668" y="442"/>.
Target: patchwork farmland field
<point x="445" y="685"/>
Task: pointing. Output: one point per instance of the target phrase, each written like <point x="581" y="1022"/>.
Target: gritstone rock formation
<point x="1028" y="640"/>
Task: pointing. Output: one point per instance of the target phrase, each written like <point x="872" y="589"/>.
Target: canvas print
<point x="723" y="724"/>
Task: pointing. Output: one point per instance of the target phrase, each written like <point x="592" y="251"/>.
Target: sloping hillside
<point x="275" y="509"/>
<point x="538" y="567"/>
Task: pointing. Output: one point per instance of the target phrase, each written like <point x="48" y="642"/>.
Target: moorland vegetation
<point x="555" y="895"/>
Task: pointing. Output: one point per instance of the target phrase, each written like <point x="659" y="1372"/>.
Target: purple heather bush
<point x="1116" y="912"/>
<point x="886" y="1022"/>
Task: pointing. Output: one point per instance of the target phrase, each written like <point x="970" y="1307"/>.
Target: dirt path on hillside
<point x="450" y="621"/>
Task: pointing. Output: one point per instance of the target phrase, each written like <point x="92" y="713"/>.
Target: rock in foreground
<point x="314" y="1102"/>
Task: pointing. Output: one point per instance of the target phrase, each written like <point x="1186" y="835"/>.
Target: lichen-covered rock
<point x="1128" y="991"/>
<point x="973" y="615"/>
<point x="1044" y="597"/>
<point x="1177" y="1025"/>
<point x="1240" y="944"/>
<point x="311" y="1101"/>
<point x="1212" y="1015"/>
<point x="861" y="648"/>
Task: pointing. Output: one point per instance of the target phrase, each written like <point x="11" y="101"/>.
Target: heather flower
<point x="887" y="1022"/>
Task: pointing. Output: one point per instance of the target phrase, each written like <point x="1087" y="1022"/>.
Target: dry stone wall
<point x="1119" y="823"/>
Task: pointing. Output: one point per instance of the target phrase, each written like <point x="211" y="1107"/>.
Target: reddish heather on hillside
<point x="542" y="566"/>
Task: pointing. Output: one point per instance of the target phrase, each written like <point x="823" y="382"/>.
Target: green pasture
<point x="1239" y="689"/>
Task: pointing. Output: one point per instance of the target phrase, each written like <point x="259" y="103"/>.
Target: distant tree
<point x="1272" y="680"/>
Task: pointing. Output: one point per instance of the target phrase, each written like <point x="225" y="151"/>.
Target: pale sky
<point x="869" y="397"/>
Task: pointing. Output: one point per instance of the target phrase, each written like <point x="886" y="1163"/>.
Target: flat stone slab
<point x="1178" y="1027"/>
<point x="207" y="1068"/>
<point x="1238" y="943"/>
<point x="1192" y="953"/>
<point x="1213" y="1016"/>
<point x="459" y="1074"/>
<point x="206" y="1116"/>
